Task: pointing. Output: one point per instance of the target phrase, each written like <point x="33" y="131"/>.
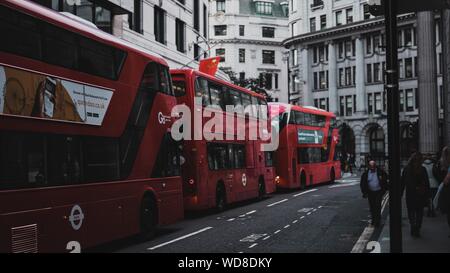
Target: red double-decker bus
<point x="307" y="143"/>
<point x="220" y="172"/>
<point x="86" y="155"/>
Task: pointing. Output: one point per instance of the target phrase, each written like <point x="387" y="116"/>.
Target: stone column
<point x="361" y="107"/>
<point x="332" y="78"/>
<point x="446" y="71"/>
<point x="306" y="78"/>
<point x="428" y="95"/>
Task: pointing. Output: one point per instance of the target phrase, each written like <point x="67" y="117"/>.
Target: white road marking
<point x="250" y="212"/>
<point x="276" y="231"/>
<point x="231" y="219"/>
<point x="180" y="238"/>
<point x="305" y="192"/>
<point x="276" y="203"/>
<point x="293" y="222"/>
<point x="286" y="226"/>
<point x="314" y="210"/>
<point x="343" y="185"/>
<point x="242" y="215"/>
<point x="319" y="207"/>
<point x="252" y="246"/>
<point x="252" y="238"/>
<point x="368" y="231"/>
<point x="309" y="213"/>
<point x="302" y="217"/>
<point x="266" y="238"/>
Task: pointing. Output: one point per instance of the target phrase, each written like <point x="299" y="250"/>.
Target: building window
<point x="276" y="80"/>
<point x="342" y="106"/>
<point x="339" y="18"/>
<point x="220" y="5"/>
<point x="180" y="35"/>
<point x="366" y="11"/>
<point x="341" y="50"/>
<point x="268" y="56"/>
<point x="268" y="80"/>
<point x="323" y="21"/>
<point x="402" y="100"/>
<point x="197" y="54"/>
<point x="370" y="103"/>
<point x="205" y="21"/>
<point x="369" y="73"/>
<point x="138" y="6"/>
<point x="221" y="52"/>
<point x="295" y="57"/>
<point x="408" y="68"/>
<point x="409" y="100"/>
<point x="268" y="32"/>
<point x="242" y="55"/>
<point x="220" y="30"/>
<point x="320" y="80"/>
<point x="401" y="69"/>
<point x="241" y="30"/>
<point x="376" y="72"/>
<point x="312" y="24"/>
<point x="197" y="15"/>
<point x="368" y="45"/>
<point x="376" y="140"/>
<point x="348" y="76"/>
<point x="341" y="77"/>
<point x="160" y="25"/>
<point x="408" y="37"/>
<point x="264" y="8"/>
<point x="317" y="3"/>
<point x="242" y="76"/>
<point x="349" y="106"/>
<point x="349" y="13"/>
<point x="378" y="103"/>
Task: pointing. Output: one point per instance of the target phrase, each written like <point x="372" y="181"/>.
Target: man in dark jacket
<point x="373" y="186"/>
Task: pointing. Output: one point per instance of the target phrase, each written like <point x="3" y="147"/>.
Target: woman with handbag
<point x="415" y="180"/>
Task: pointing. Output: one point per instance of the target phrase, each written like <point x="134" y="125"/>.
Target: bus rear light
<point x="191" y="182"/>
<point x="277" y="180"/>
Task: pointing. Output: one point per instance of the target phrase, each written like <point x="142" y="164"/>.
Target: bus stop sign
<point x="376" y="7"/>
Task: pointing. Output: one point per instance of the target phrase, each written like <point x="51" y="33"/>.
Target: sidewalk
<point x="434" y="235"/>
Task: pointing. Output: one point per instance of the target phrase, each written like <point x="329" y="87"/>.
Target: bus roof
<point x="305" y="109"/>
<point x="191" y="72"/>
<point x="56" y="18"/>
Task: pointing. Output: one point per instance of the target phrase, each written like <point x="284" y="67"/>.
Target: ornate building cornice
<point x="246" y="41"/>
<point x="356" y="28"/>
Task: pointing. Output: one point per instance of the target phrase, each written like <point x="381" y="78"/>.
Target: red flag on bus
<point x="210" y="65"/>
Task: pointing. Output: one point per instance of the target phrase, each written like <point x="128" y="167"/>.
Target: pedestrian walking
<point x="373" y="186"/>
<point x="429" y="164"/>
<point x="415" y="181"/>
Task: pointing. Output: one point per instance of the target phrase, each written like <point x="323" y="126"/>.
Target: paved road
<point x="328" y="218"/>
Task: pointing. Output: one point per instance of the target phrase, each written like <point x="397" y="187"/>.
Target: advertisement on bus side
<point x="29" y="94"/>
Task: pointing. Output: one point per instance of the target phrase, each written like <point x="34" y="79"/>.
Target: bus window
<point x="320" y="120"/>
<point x="165" y="81"/>
<point x="60" y="47"/>
<point x="96" y="59"/>
<point x="64" y="160"/>
<point x="292" y="118"/>
<point x="22" y="32"/>
<point x="101" y="159"/>
<point x="217" y="156"/>
<point x="239" y="156"/>
<point x="255" y="106"/>
<point x="246" y="103"/>
<point x="179" y="87"/>
<point x="333" y="124"/>
<point x="216" y="95"/>
<point x="234" y="98"/>
<point x="263" y="110"/>
<point x="201" y="90"/>
<point x="300" y="117"/>
<point x="307" y="120"/>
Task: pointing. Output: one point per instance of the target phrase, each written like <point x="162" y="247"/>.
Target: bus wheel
<point x="221" y="201"/>
<point x="261" y="188"/>
<point x="332" y="176"/>
<point x="148" y="217"/>
<point x="303" y="181"/>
